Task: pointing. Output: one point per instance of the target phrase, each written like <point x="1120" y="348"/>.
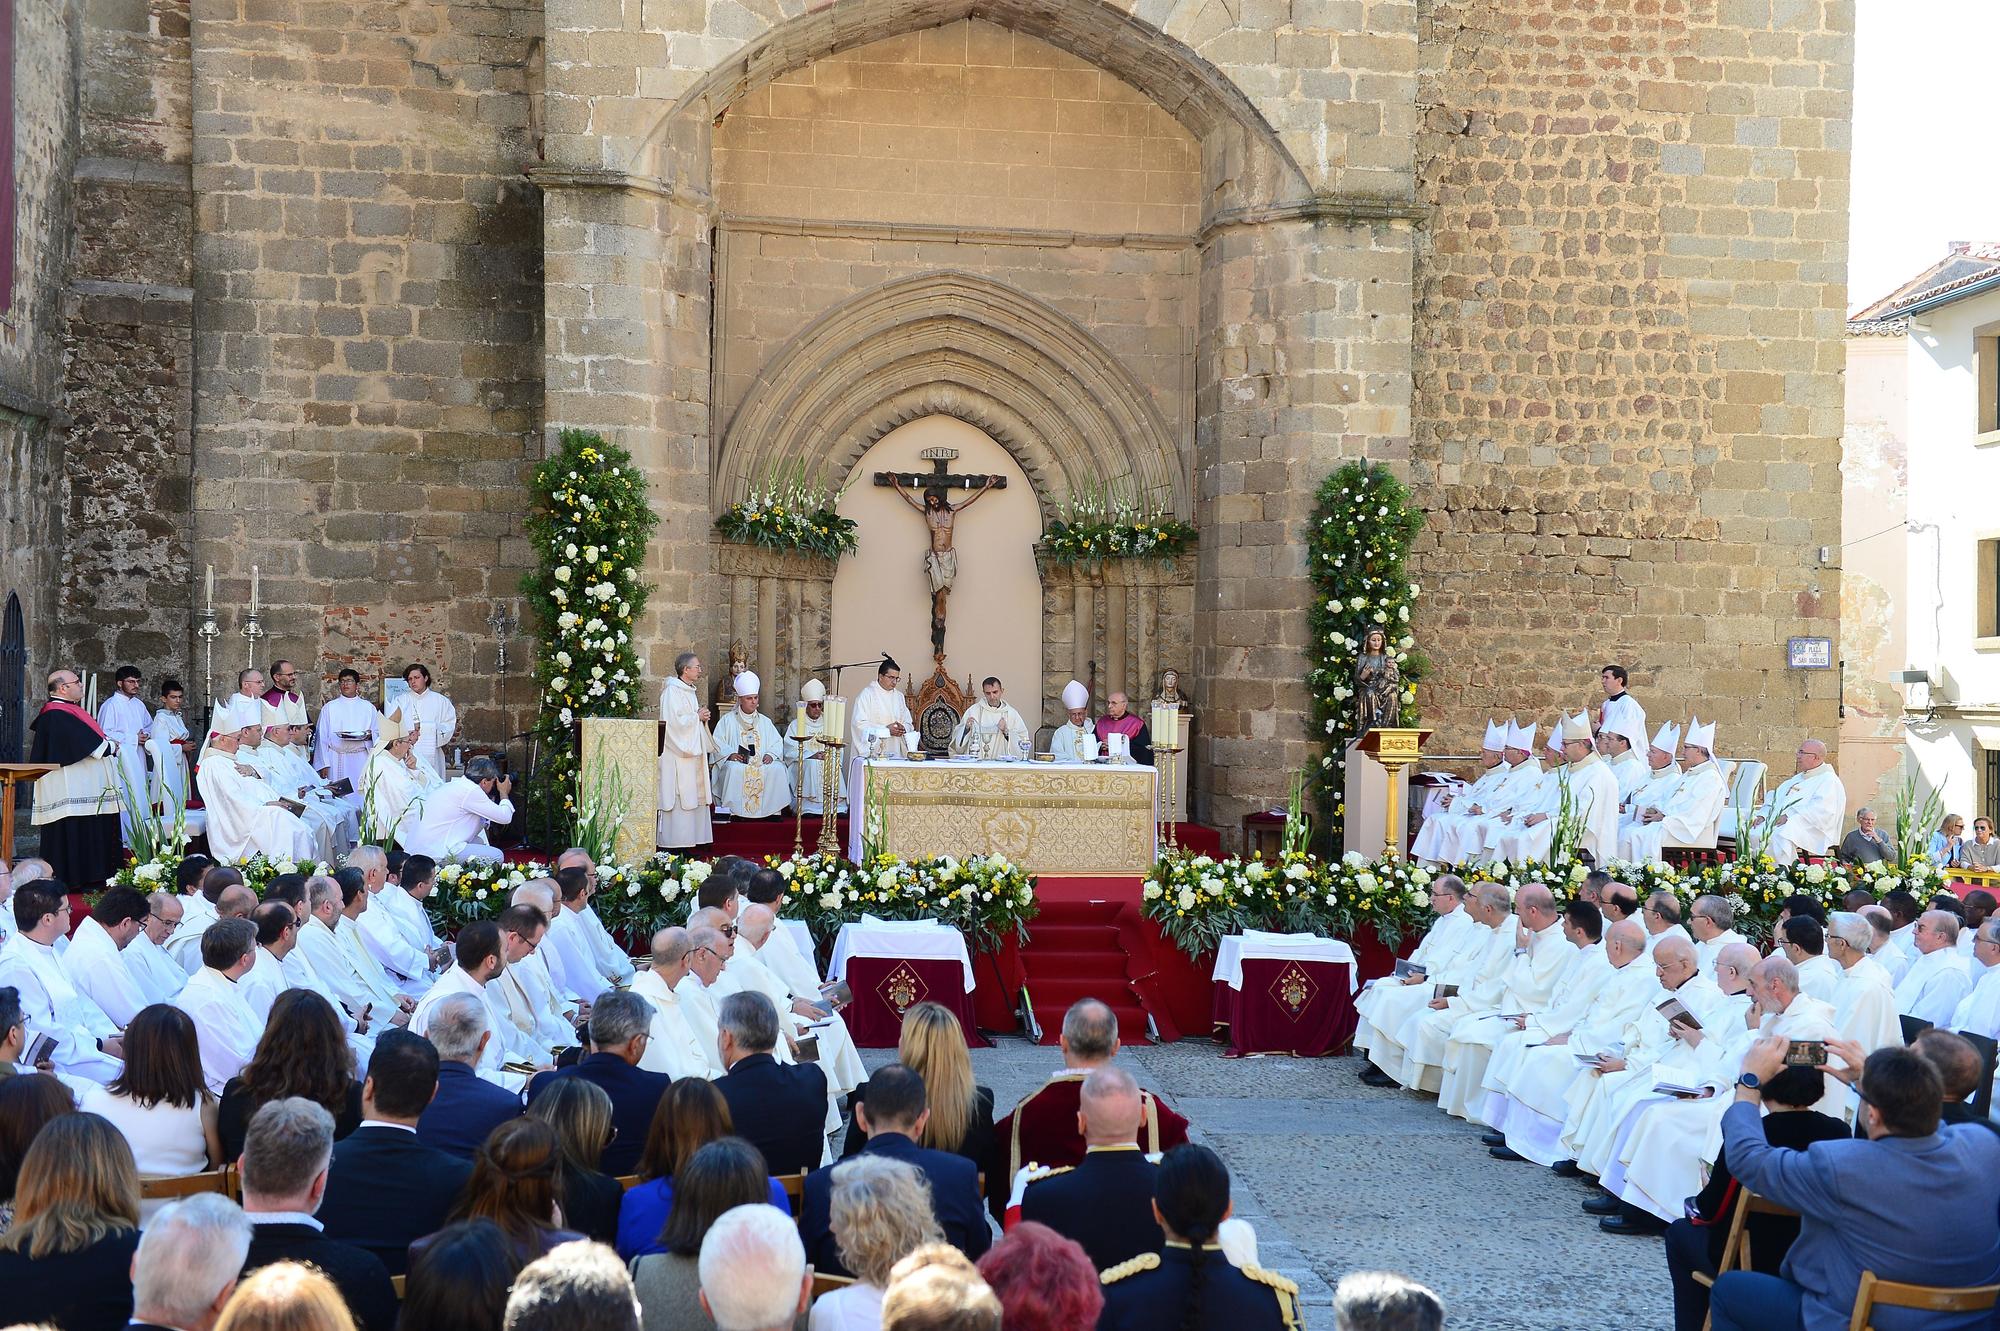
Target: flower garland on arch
<point x="590" y="524"/>
<point x="1363" y="525"/>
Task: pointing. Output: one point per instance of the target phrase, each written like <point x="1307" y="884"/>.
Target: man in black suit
<point x="187" y="1263"/>
<point x="893" y="1116"/>
<point x="620" y="1025"/>
<point x="466" y="1108"/>
<point x="285" y="1158"/>
<point x="385" y="1187"/>
<point x="1106" y="1202"/>
<point x="779" y="1108"/>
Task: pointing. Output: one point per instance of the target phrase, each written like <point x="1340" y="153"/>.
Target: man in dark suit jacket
<point x="778" y="1108"/>
<point x="466" y="1107"/>
<point x="1105" y="1203"/>
<point x="385" y="1187"/>
<point x="893" y="1117"/>
<point x="620" y="1025"/>
<point x="286" y="1156"/>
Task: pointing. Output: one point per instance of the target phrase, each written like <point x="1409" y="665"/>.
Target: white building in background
<point x="1920" y="604"/>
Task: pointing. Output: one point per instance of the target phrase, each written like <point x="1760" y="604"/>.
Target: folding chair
<point x="1876" y="1293"/>
<point x="184" y="1185"/>
<point x="1736" y="1247"/>
<point x="629" y="1181"/>
<point x="827" y="1284"/>
<point x="795" y="1190"/>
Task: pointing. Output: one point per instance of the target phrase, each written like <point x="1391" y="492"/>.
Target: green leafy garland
<point x="590" y="524"/>
<point x="1362" y="527"/>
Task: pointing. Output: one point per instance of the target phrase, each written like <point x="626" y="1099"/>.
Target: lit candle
<point x="253" y="589"/>
<point x="210" y="583"/>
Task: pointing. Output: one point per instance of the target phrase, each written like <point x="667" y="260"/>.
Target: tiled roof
<point x="1967" y="263"/>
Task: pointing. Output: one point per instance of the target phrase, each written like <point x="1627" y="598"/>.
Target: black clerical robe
<point x="76" y="808"/>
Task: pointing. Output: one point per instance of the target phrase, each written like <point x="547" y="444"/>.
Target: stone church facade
<point x="307" y="284"/>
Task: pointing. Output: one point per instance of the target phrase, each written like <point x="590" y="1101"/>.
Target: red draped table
<point x="1285" y="994"/>
<point x="891" y="968"/>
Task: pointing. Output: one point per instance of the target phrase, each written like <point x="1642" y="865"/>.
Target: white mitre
<point x="1075" y="695"/>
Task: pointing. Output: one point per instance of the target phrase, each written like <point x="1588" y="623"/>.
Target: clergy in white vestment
<point x="296" y="966"/>
<point x="1864" y="1003"/>
<point x="1467" y="834"/>
<point x="367" y="996"/>
<point x="780" y="951"/>
<point x="1075" y="740"/>
<point x="345" y="735"/>
<point x="1656" y="784"/>
<point x="225" y="1026"/>
<point x="1693" y="809"/>
<point x="285" y="770"/>
<point x="290" y="704"/>
<point x="549" y="972"/>
<point x="1453" y="804"/>
<point x="1623" y="747"/>
<point x="568" y="939"/>
<point x="805" y="752"/>
<point x="277" y="934"/>
<point x="605" y="952"/>
<point x="404" y="901"/>
<point x="838" y="1057"/>
<point x="266" y="757"/>
<point x="51" y="1005"/>
<point x="678" y="1046"/>
<point x="125" y="717"/>
<point x="991" y="728"/>
<point x="170" y="749"/>
<point x="1573" y="999"/>
<point x="1662" y="918"/>
<point x="431" y="714"/>
<point x="1387" y="1004"/>
<point x="245" y="707"/>
<point x="452" y="823"/>
<point x="878" y="726"/>
<point x="1535" y="1103"/>
<point x="1620" y="710"/>
<point x="1711" y="923"/>
<point x="1888" y="949"/>
<point x="699" y="1000"/>
<point x="1523" y="961"/>
<point x="684" y="817"/>
<point x="1804" y="815"/>
<point x="481" y="957"/>
<point x="523" y="987"/>
<point x="1979" y="1011"/>
<point x="245" y="816"/>
<point x="379" y="930"/>
<point x="1803" y="940"/>
<point x="393" y="783"/>
<point x="1527" y="831"/>
<point x="159" y="976"/>
<point x="1543" y="976"/>
<point x="95" y="961"/>
<point x="1421" y="1036"/>
<point x="1939" y="980"/>
<point x="750" y="778"/>
<point x="183" y="943"/>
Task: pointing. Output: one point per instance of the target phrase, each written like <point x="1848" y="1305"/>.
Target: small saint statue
<point x="1170" y="692"/>
<point x="1378" y="685"/>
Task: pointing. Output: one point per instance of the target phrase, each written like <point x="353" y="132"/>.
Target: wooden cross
<point x="940" y="515"/>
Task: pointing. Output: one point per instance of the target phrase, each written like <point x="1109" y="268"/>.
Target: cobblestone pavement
<point x="1337" y="1177"/>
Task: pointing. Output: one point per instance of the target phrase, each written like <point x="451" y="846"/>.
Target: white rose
<point x="569" y="551"/>
<point x="1354" y="857"/>
<point x="562" y="573"/>
<point x="1297" y="872"/>
<point x="1186" y="898"/>
<point x="1151" y="892"/>
<point x="829" y="901"/>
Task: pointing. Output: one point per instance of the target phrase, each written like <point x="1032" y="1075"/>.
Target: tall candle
<point x="835" y="718"/>
<point x="210" y="584"/>
<point x="253" y="589"/>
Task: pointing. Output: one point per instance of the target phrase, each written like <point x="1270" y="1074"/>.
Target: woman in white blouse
<point x="880" y="1213"/>
<point x="160" y="1102"/>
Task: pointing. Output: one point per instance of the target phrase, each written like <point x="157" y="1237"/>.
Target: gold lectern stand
<point x="1395" y="749"/>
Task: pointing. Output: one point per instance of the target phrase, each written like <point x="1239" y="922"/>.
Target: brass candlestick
<point x="799" y="796"/>
<point x="829" y="800"/>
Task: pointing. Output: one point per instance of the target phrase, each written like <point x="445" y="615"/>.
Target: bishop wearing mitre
<point x="684" y="818"/>
<point x="991" y="728"/>
<point x="805" y="753"/>
<point x="878" y="726"/>
<point x="750" y="778"/>
<point x="1074" y="741"/>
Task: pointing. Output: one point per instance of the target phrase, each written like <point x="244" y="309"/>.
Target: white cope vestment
<point x="533" y="1004"/>
<point x="268" y="760"/>
<point x="804" y="754"/>
<point x="392" y="794"/>
<point x="1464" y="835"/>
<point x="1429" y="843"/>
<point x="344" y="737"/>
<point x="287" y="771"/>
<point x="1631" y="771"/>
<point x="242" y="818"/>
<point x="1067" y="744"/>
<point x="1537" y="1090"/>
<point x="1689" y="817"/>
<point x="698" y="1006"/>
<point x="225" y="1025"/>
<point x="1813" y="805"/>
<point x="875" y="710"/>
<point x="1572" y="999"/>
<point x="452" y="821"/>
<point x="570" y="939"/>
<point x="509" y="1041"/>
<point x="684" y="818"/>
<point x="760" y="787"/>
<point x="159" y="976"/>
<point x="388" y="941"/>
<point x="676" y="1047"/>
<point x="987" y="731"/>
<point x="97" y="967"/>
<point x="124" y="719"/>
<point x="439" y="719"/>
<point x="1513" y="839"/>
<point x="52" y="1005"/>
<point x="1655" y="788"/>
<point x="330" y="961"/>
<point x="1934" y="986"/>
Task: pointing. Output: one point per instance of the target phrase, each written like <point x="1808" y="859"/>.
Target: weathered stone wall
<point x="1628" y="357"/>
<point x="367" y="299"/>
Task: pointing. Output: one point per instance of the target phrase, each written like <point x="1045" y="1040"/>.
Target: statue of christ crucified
<point x="940" y="516"/>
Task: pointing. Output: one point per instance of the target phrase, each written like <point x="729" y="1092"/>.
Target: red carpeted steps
<point x="1074" y="951"/>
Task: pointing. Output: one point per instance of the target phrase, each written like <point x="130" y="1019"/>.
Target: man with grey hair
<point x="1885" y="947"/>
<point x="1382" y="1301"/>
<point x="1712" y="924"/>
<point x="1865" y="844"/>
<point x="189" y="1258"/>
<point x="1979" y="1013"/>
<point x="1938" y="981"/>
<point x="1864" y="1002"/>
<point x="778" y="1108"/>
<point x="541" y="975"/>
<point x="286" y="1154"/>
<point x="158" y="974"/>
<point x="453" y="820"/>
<point x="1392" y="999"/>
<point x="620" y="1028"/>
<point x="403" y="954"/>
<point x="579" y="1286"/>
<point x="1381" y="1033"/>
<point x="753" y="1271"/>
<point x="1105" y="1203"/>
<point x="466" y="1107"/>
<point x="1802" y="816"/>
<point x="675" y="1047"/>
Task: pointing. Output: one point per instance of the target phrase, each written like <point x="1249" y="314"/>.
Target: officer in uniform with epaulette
<point x="1190" y="1283"/>
<point x="1106" y="1202"/>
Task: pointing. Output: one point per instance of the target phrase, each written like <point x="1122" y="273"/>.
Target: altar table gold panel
<point x="1049" y="818"/>
<point x="620" y="759"/>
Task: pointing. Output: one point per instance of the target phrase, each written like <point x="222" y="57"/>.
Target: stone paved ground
<point x="1337" y="1177"/>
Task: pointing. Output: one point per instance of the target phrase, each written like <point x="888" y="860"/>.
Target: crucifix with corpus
<point x="940" y="515"/>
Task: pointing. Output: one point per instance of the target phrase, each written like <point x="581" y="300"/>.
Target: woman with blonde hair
<point x="932" y="1045"/>
<point x="880" y="1214"/>
<point x="285" y="1296"/>
<point x="580" y="1113"/>
<point x="67" y="1260"/>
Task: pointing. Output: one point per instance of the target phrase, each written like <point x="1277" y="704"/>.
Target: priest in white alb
<point x="1622" y="749"/>
<point x="171" y="750"/>
<point x="159" y="976"/>
<point x="1526" y="832"/>
<point x="534" y="998"/>
<point x="245" y="816"/>
<point x="225" y="1026"/>
<point x="1804" y="815"/>
<point x="284" y="770"/>
<point x="1388" y="1005"/>
<point x="481" y="954"/>
<point x="394" y="783"/>
<point x="1864" y="1002"/>
<point x="86" y="1038"/>
<point x="345" y="735"/>
<point x="1074" y="740"/>
<point x="1474" y="1074"/>
<point x="991" y="728"/>
<point x="95" y="961"/>
<point x="1940" y="978"/>
<point x="431" y="715"/>
<point x="1468" y="829"/>
<point x="1430" y="842"/>
<point x="266" y="755"/>
<point x="838" y="1057"/>
<point x="879" y="726"/>
<point x="453" y="821"/>
<point x="1691" y="813"/>
<point x="1656" y="786"/>
<point x="805" y="753"/>
<point x="125" y="718"/>
<point x="676" y="1046"/>
<point x="750" y="778"/>
<point x="684" y="817"/>
<point x="368" y="997"/>
<point x="1979" y="1011"/>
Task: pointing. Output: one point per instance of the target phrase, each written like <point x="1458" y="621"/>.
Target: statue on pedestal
<point x="1378" y="685"/>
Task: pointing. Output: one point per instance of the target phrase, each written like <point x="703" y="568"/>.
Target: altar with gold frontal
<point x="1049" y="818"/>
